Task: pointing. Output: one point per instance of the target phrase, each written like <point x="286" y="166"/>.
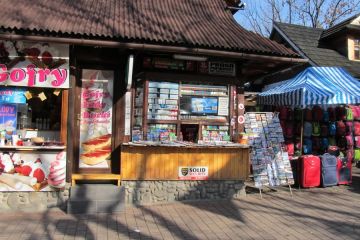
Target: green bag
<point x="349" y="114"/>
<point x="316" y="129"/>
<point x="357" y="154"/>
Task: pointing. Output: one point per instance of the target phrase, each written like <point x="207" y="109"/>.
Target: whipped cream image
<point x="57" y="172"/>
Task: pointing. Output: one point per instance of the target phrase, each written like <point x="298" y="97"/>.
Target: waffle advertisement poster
<point x="34" y="64"/>
<point x="96" y="118"/>
<point x="26" y="171"/>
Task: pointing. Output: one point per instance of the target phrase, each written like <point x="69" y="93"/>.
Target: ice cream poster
<point x="34" y="64"/>
<point x="8" y="116"/>
<point x="96" y="118"/>
<point x="21" y="171"/>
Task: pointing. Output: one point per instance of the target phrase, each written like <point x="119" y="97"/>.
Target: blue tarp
<point x="315" y="86"/>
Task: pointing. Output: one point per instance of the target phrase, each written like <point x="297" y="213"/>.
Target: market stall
<point x="317" y="111"/>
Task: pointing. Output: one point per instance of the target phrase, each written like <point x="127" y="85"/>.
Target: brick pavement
<point x="320" y="213"/>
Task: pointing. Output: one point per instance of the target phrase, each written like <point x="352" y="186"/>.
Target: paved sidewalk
<point x="321" y="213"/>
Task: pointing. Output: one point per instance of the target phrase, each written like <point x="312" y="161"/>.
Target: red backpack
<point x="356" y="112"/>
<point x="340" y="128"/>
<point x="357" y="142"/>
<point x="317" y="113"/>
<point x="349" y="128"/>
<point x="290" y="148"/>
<point x="307" y="114"/>
<point x="340" y="113"/>
<point x="357" y="128"/>
<point x="283" y="113"/>
<point x="350" y="140"/>
<point x="332" y="115"/>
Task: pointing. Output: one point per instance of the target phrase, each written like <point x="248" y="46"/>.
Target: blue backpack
<point x="307" y="146"/>
<point x="332" y="128"/>
<point x="324" y="143"/>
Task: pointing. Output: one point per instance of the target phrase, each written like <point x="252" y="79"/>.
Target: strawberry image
<point x="18" y="169"/>
<point x="38" y="160"/>
<point x="2" y="167"/>
<point x="39" y="175"/>
<point x="47" y="58"/>
<point x="26" y="170"/>
<point x="32" y="52"/>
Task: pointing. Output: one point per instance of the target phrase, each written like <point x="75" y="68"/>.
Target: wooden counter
<point x="162" y="163"/>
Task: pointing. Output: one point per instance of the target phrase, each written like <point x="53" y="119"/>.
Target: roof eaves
<point x="291" y="43"/>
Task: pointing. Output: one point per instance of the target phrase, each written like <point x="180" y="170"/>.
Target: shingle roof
<point x="307" y="40"/>
<point x="338" y="27"/>
<point x="191" y="23"/>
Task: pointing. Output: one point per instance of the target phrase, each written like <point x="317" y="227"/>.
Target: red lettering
<point x="31" y="73"/>
<point x="4" y="74"/>
<point x="43" y="73"/>
<point x="60" y="75"/>
<point x="17" y="75"/>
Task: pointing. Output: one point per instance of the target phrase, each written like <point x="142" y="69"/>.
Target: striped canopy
<point x="314" y="86"/>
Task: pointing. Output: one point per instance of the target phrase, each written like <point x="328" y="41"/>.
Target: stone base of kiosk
<point x="151" y="191"/>
<point x="33" y="201"/>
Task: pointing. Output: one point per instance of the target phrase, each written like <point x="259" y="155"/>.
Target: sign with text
<point x="96" y="118"/>
<point x="34" y="64"/>
<point x="193" y="173"/>
<point x="8" y="117"/>
<point x="12" y="95"/>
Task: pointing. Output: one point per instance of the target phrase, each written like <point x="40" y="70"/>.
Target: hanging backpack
<point x="324" y="130"/>
<point x="349" y="114"/>
<point x="340" y="113"/>
<point x="357" y="128"/>
<point x="334" y="150"/>
<point x="332" y="128"/>
<point x="341" y="143"/>
<point x="349" y="128"/>
<point x="325" y="116"/>
<point x="332" y="141"/>
<point x="307" y="146"/>
<point x="316" y="129"/>
<point x="316" y="144"/>
<point x="332" y="115"/>
<point x="297" y="114"/>
<point x="349" y="141"/>
<point x="290" y="114"/>
<point x="357" y="154"/>
<point x="307" y="129"/>
<point x="324" y="144"/>
<point x="283" y="113"/>
<point x="317" y="113"/>
<point x="350" y="155"/>
<point x="356" y="112"/>
<point x="290" y="148"/>
<point x="357" y="141"/>
<point x="289" y="130"/>
<point x="340" y="128"/>
<point x="307" y="114"/>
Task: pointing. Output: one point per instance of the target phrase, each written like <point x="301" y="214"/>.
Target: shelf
<point x="154" y="121"/>
<point x="34" y="147"/>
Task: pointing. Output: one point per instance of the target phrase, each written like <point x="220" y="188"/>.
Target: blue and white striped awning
<point x="314" y="86"/>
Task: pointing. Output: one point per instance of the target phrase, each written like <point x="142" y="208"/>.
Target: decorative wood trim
<point x="95" y="176"/>
<point x="64" y="116"/>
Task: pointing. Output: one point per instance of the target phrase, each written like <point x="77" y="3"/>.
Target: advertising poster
<point x="8" y="116"/>
<point x="27" y="171"/>
<point x="96" y="118"/>
<point x="34" y="64"/>
<point x="12" y="95"/>
<point x="193" y="173"/>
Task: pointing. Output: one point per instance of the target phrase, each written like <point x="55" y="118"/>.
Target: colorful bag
<point x="316" y="144"/>
<point x="332" y="115"/>
<point x="316" y="129"/>
<point x="297" y="114"/>
<point x="290" y="148"/>
<point x="289" y="130"/>
<point x="307" y="129"/>
<point x="357" y="128"/>
<point x="307" y="146"/>
<point x="334" y="150"/>
<point x="324" y="130"/>
<point x="356" y="112"/>
<point x="332" y="141"/>
<point x="332" y="128"/>
<point x="317" y="113"/>
<point x="357" y="154"/>
<point x="325" y="116"/>
<point x="357" y="141"/>
<point x="283" y="113"/>
<point x="349" y="114"/>
<point x="307" y="114"/>
<point x="349" y="128"/>
<point x="341" y="143"/>
<point x="349" y="140"/>
<point x="324" y="144"/>
<point x="340" y="128"/>
<point x="350" y="155"/>
<point x="340" y="113"/>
